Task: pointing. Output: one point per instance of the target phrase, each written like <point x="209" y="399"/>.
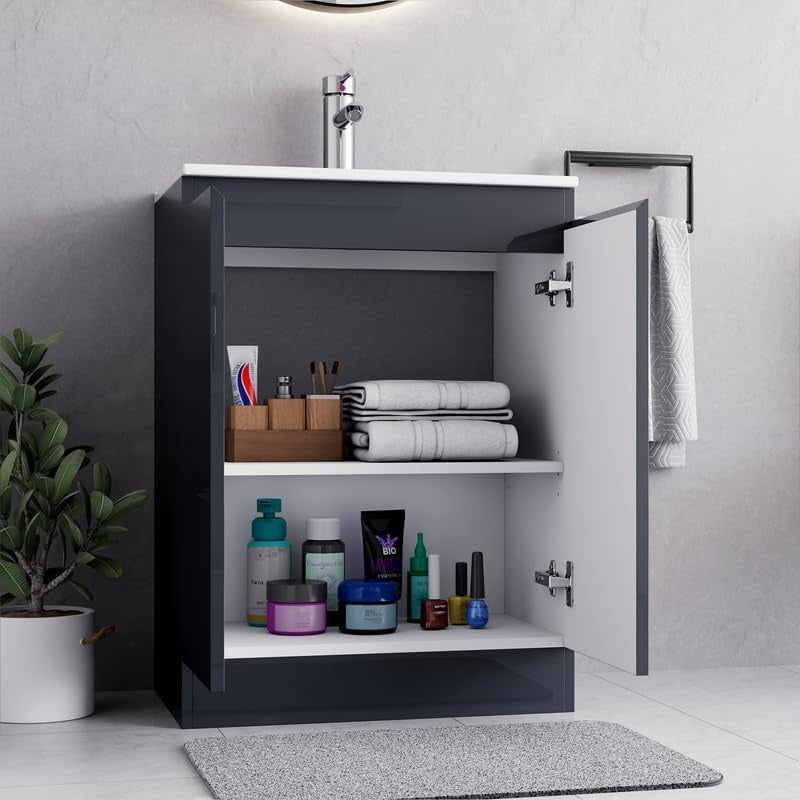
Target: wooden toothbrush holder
<point x="323" y="412"/>
<point x="252" y="434"/>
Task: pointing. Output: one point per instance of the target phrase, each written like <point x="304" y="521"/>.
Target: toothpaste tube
<point x="243" y="361"/>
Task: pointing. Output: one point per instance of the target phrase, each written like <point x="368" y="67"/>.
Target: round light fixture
<point x="343" y="4"/>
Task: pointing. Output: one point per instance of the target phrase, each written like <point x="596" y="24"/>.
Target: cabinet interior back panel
<point x="380" y="324"/>
<point x="457" y="513"/>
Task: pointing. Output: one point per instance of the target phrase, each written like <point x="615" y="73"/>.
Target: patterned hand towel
<point x="673" y="402"/>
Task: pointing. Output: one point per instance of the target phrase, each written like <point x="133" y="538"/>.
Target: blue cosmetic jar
<point x="368" y="607"/>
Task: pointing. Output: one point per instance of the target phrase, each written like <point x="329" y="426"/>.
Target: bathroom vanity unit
<point x="403" y="275"/>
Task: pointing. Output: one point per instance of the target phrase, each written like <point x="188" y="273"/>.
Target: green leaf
<point x="18" y="518"/>
<point x="39" y="373"/>
<point x="45" y="382"/>
<point x="11" y="350"/>
<point x="50" y="340"/>
<point x="11" y="537"/>
<point x="51" y="458"/>
<point x="13" y="577"/>
<point x="6" y="396"/>
<point x="6" y="496"/>
<point x="102" y="479"/>
<point x="84" y="558"/>
<point x="65" y="503"/>
<point x="87" y="504"/>
<point x="53" y="433"/>
<point x="35" y="522"/>
<point x="7" y="376"/>
<point x="66" y="473"/>
<point x="22" y="339"/>
<point x="32" y="356"/>
<point x="6" y="469"/>
<point x="44" y="487"/>
<point x="101" y="543"/>
<point x="107" y="566"/>
<point x="24" y="397"/>
<point x="110" y="530"/>
<point x="74" y="531"/>
<point x="102" y="506"/>
<point x="82" y="590"/>
<point x="127" y="503"/>
<point x="45" y="395"/>
<point x="44" y="415"/>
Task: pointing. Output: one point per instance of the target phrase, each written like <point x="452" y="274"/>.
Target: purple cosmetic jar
<point x="297" y="608"/>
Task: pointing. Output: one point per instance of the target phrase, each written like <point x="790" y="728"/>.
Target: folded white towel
<point x="673" y="401"/>
<point x="353" y="415"/>
<point x="427" y="440"/>
<point x="395" y="395"/>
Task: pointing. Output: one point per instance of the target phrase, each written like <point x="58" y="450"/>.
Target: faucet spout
<point x="339" y="115"/>
<point x="347" y="116"/>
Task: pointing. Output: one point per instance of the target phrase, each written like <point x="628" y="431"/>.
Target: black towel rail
<point x="641" y="160"/>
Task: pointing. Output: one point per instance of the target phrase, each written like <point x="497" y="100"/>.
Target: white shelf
<point x="502" y="633"/>
<point x="377" y="175"/>
<point x="516" y="466"/>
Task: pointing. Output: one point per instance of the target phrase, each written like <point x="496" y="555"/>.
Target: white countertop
<point x="377" y="175"/>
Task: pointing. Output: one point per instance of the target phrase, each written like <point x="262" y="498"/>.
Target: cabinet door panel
<point x="579" y="383"/>
<point x="189" y="375"/>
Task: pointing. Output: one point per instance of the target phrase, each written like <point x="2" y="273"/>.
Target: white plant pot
<point x="46" y="673"/>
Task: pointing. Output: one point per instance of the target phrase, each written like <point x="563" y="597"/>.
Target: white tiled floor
<point x="743" y="722"/>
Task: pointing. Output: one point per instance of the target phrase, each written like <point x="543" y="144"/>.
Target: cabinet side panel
<point x="189" y="373"/>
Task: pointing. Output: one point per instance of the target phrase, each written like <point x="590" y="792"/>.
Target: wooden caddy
<point x="286" y="429"/>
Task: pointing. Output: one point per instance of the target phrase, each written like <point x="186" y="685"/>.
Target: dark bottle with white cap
<point x="323" y="559"/>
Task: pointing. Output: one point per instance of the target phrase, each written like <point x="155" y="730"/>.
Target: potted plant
<point x="56" y="518"/>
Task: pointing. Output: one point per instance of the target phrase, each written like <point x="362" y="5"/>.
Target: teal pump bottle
<point x="268" y="558"/>
<point x="417" y="581"/>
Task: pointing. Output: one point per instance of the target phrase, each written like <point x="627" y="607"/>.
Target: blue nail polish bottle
<point x="477" y="610"/>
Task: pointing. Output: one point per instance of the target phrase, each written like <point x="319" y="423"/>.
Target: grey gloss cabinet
<point x="528" y="229"/>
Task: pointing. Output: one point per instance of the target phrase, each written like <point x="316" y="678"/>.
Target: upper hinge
<point x="552" y="286"/>
<point x="553" y="581"/>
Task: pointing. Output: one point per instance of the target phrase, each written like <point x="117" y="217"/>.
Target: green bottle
<point x="417" y="581"/>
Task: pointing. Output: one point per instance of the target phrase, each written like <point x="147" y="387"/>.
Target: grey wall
<point x="103" y="100"/>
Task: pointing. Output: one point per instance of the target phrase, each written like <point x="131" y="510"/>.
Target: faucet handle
<point x="340" y="84"/>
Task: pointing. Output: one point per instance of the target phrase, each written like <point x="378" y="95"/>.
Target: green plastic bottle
<point x="268" y="558"/>
<point x="417" y="581"/>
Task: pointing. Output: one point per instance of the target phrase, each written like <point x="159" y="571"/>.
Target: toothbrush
<point x="335" y="372"/>
<point x="322" y="370"/>
<point x="313" y="379"/>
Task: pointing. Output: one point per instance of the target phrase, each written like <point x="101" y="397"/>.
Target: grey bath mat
<point x="485" y="761"/>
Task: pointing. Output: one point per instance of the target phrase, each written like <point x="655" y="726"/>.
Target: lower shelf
<point x="513" y="466"/>
<point x="502" y="633"/>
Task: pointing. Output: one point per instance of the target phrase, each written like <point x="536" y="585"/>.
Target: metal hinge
<point x="553" y="581"/>
<point x="552" y="286"/>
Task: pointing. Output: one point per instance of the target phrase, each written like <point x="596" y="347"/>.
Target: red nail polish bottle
<point x="434" y="609"/>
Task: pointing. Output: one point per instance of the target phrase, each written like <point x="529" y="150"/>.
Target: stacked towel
<point x="429" y="420"/>
<point x="425" y="395"/>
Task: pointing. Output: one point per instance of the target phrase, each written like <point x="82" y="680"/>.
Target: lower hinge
<point x="553" y="581"/>
<point x="552" y="286"/>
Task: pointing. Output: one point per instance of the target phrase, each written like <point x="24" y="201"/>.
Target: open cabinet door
<point x="579" y="378"/>
<point x="189" y="380"/>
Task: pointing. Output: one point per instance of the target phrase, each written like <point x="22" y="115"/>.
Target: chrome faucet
<point x="339" y="116"/>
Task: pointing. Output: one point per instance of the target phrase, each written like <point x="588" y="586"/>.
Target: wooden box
<point x="247" y="418"/>
<point x="323" y="412"/>
<point x="284" y="445"/>
<point x="287" y="414"/>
